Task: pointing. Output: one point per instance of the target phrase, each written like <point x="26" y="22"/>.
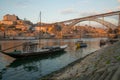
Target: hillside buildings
<point x="9" y="19"/>
<point x="13" y="26"/>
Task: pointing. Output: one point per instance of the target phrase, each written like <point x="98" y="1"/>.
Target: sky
<point x="56" y="10"/>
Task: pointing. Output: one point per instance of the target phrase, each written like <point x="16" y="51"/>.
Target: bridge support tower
<point x="119" y="24"/>
<point x="119" y="20"/>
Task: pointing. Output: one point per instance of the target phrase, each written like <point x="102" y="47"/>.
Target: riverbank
<point x="103" y="64"/>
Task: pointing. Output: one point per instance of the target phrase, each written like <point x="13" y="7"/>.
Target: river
<point x="36" y="67"/>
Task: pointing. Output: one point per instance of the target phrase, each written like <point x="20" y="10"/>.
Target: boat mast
<point x="39" y="28"/>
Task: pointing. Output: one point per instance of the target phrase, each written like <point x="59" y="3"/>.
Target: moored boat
<point x="30" y="49"/>
<point x="40" y="52"/>
<point x="113" y="40"/>
<point x="80" y="44"/>
<point x="102" y="42"/>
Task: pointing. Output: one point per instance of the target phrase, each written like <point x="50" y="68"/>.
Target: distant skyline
<point x="56" y="10"/>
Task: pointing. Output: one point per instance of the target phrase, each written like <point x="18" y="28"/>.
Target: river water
<point x="35" y="67"/>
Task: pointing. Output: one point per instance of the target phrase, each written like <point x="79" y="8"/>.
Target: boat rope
<point x="11" y="47"/>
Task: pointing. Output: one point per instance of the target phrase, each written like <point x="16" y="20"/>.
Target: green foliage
<point x="108" y="62"/>
<point x="117" y="58"/>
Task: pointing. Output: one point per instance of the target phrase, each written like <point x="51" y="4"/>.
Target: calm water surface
<point x="36" y="67"/>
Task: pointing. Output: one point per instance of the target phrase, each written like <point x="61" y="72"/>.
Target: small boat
<point x="102" y="42"/>
<point x="41" y="51"/>
<point x="80" y="44"/>
<point x="113" y="40"/>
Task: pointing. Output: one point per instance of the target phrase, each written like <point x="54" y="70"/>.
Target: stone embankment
<point x="103" y="64"/>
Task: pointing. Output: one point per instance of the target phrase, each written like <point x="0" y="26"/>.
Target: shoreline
<point x="89" y="65"/>
<point x="64" y="68"/>
<point x="50" y="38"/>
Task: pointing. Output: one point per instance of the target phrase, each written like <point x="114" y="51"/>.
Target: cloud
<point x="0" y="8"/>
<point x="68" y="11"/>
<point x="118" y="0"/>
<point x="118" y="7"/>
<point x="83" y="14"/>
<point x="22" y="4"/>
<point x="83" y="2"/>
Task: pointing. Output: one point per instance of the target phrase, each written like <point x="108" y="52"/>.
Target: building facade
<point x="9" y="17"/>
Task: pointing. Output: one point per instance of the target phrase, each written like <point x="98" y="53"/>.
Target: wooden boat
<point x="42" y="51"/>
<point x="102" y="42"/>
<point x="30" y="49"/>
<point x="23" y="61"/>
<point x="113" y="40"/>
<point x="80" y="44"/>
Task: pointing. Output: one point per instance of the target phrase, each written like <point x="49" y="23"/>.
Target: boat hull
<point x="30" y="54"/>
<point x="81" y="45"/>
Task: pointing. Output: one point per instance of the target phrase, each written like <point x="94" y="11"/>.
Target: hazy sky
<point x="56" y="10"/>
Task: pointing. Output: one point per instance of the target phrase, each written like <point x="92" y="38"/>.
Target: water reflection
<point x="2" y="72"/>
<point x="34" y="67"/>
<point x="26" y="65"/>
<point x="79" y="52"/>
<point x="25" y="61"/>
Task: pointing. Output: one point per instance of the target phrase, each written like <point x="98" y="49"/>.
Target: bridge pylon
<point x="119" y="20"/>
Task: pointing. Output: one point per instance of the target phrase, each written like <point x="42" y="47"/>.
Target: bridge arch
<point x="103" y="22"/>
